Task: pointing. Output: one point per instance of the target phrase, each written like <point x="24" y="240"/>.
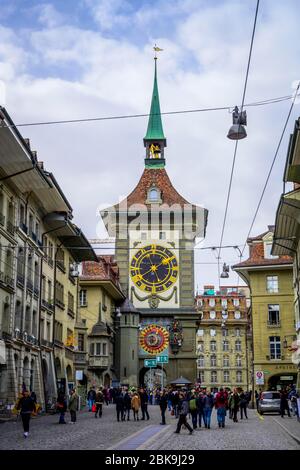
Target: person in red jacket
<point x="221" y="404"/>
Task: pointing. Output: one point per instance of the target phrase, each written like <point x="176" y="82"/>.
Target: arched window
<point x="200" y="361"/>
<point x="213" y="376"/>
<point x="154" y="194"/>
<point x="226" y="376"/>
<point x="225" y="361"/>
<point x="213" y="360"/>
<point x="213" y="346"/>
<point x="239" y="376"/>
<point x="238" y="345"/>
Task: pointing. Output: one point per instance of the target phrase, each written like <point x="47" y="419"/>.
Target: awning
<point x="287" y="226"/>
<point x="71" y="237"/>
<point x="2" y="352"/>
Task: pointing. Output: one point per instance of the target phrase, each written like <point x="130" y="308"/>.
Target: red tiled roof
<point x="104" y="270"/>
<point x="160" y="179"/>
<point x="265" y="262"/>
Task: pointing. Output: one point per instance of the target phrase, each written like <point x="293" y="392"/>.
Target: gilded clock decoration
<point x="154" y="339"/>
<point x="154" y="269"/>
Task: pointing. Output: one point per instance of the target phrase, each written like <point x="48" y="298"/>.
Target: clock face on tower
<point x="154" y="268"/>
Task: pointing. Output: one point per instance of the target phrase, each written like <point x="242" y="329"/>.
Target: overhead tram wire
<point x="236" y="143"/>
<point x="271" y="167"/>
<point x="129" y="116"/>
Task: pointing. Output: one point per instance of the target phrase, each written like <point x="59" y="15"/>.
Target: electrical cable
<point x="236" y="143"/>
<point x="129" y="116"/>
<point x="271" y="167"/>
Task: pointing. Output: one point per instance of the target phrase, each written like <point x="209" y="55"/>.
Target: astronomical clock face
<point x="154" y="339"/>
<point x="154" y="269"/>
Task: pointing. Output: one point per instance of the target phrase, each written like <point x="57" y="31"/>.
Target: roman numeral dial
<point x="154" y="268"/>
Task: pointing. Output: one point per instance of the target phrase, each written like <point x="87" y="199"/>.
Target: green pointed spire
<point x="155" y="128"/>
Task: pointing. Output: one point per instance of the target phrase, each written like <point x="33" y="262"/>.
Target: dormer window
<point x="268" y="249"/>
<point x="154" y="195"/>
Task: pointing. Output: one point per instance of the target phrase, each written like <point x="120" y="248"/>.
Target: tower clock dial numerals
<point x="154" y="268"/>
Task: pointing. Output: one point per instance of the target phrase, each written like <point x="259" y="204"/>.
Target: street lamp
<point x="237" y="130"/>
<point x="225" y="272"/>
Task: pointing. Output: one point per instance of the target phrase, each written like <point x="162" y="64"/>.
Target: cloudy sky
<point x="77" y="59"/>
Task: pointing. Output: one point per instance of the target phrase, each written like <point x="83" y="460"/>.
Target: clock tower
<point x="155" y="230"/>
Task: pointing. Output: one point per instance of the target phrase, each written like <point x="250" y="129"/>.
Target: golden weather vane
<point x="156" y="49"/>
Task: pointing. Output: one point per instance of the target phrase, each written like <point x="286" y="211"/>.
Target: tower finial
<point x="156" y="49"/>
<point x="155" y="140"/>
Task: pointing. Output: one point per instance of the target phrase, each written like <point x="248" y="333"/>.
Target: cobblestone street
<point x="256" y="433"/>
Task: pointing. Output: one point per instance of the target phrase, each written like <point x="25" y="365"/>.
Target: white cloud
<point x="48" y="15"/>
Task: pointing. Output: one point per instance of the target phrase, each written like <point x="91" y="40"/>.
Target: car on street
<point x="269" y="402"/>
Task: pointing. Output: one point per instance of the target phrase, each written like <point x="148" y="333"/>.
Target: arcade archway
<point x="153" y="377"/>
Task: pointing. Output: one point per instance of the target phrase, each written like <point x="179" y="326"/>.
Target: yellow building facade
<point x="270" y="279"/>
<point x="99" y="296"/>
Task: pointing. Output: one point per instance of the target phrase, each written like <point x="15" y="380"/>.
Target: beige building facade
<point x="223" y="338"/>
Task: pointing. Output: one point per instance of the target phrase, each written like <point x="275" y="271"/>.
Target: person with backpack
<point x="183" y="409"/>
<point x="221" y="405"/>
<point x="193" y="408"/>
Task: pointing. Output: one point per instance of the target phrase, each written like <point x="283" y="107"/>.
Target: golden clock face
<point x="154" y="269"/>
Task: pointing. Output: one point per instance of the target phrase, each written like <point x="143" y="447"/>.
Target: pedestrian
<point x="200" y="408"/>
<point x="243" y="404"/>
<point x="284" y="403"/>
<point x="127" y="404"/>
<point x="221" y="405"/>
<point x="193" y="409"/>
<point x="292" y="396"/>
<point x="119" y="401"/>
<point x="234" y="403"/>
<point x="61" y="406"/>
<point x="144" y="403"/>
<point x="163" y="404"/>
<point x="208" y="403"/>
<point x="105" y="395"/>
<point x="175" y="403"/>
<point x="135" y="405"/>
<point x="91" y="396"/>
<point x="26" y="406"/>
<point x="99" y="403"/>
<point x="73" y="405"/>
<point x="183" y="409"/>
<point x="169" y="395"/>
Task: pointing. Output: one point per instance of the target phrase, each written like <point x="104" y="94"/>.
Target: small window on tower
<point x="153" y="195"/>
